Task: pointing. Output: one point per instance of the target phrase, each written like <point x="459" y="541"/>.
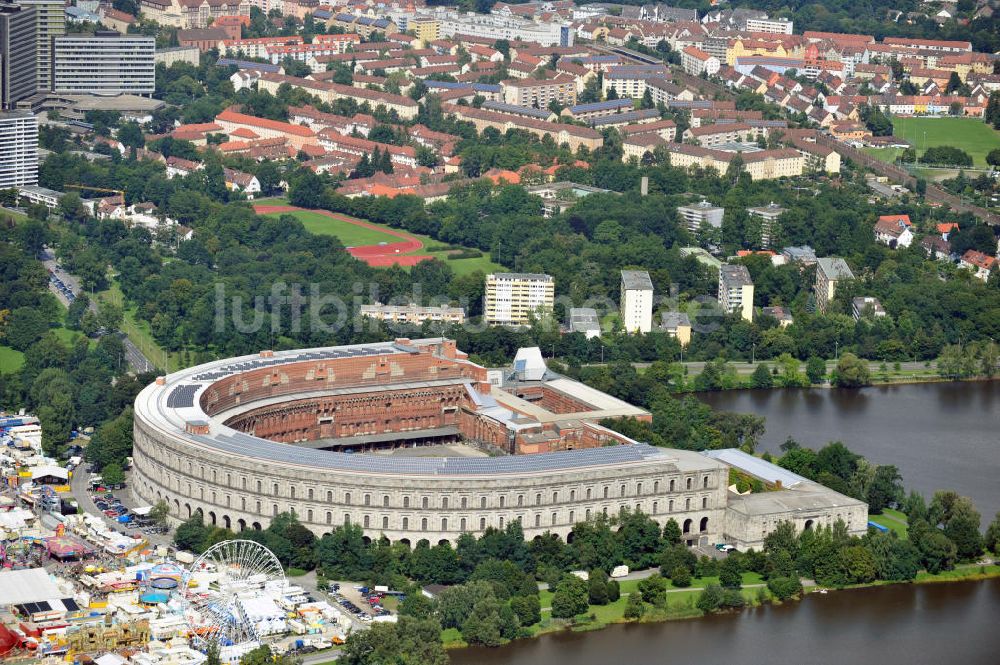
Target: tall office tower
<point x="18" y="52"/>
<point x="105" y="63"/>
<point x="50" y="22"/>
<point x="18" y="149"/>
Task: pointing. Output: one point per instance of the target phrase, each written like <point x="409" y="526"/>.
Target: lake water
<point x="929" y="624"/>
<point x="940" y="435"/>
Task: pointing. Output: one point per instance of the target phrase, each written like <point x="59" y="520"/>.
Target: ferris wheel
<point x="219" y="586"/>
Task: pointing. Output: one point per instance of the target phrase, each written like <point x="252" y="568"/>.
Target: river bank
<point x="681" y="603"/>
<point x="903" y="624"/>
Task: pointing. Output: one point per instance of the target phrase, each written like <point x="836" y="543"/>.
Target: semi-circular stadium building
<point x="318" y="432"/>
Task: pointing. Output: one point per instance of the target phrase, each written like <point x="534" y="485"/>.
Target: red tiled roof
<point x="254" y="121"/>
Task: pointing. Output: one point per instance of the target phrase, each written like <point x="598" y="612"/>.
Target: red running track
<point x="378" y="256"/>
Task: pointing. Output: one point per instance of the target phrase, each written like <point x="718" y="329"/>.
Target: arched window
<point x="385" y="500"/>
<point x="687" y="504"/>
<point x="406" y="502"/>
<point x="704" y="502"/>
<point x="292" y="490"/>
<point x="309" y="515"/>
<point x="502" y="501"/>
<point x="461" y="525"/>
<point x="704" y="482"/>
<point x="406" y="523"/>
<point x="622" y="490"/>
<point x="385" y="522"/>
<point x="275" y="489"/>
<point x="572" y="515"/>
<point x="656" y="507"/>
<point x="670" y="506"/>
<point x="589" y="492"/>
<point x="347" y="498"/>
<point x="329" y="517"/>
<point x="672" y="484"/>
<point x="347" y="519"/>
<point x="274" y="509"/>
<point x="310" y="494"/>
<point x="656" y="487"/>
<point x="482" y="523"/>
<point x="501" y="523"/>
<point x="424" y="502"/>
<point x="444" y="502"/>
<point x="605" y="491"/>
<point x="554" y="517"/>
<point x="538" y="499"/>
<point x="423" y="524"/>
<point x="689" y="482"/>
<point x="520" y="500"/>
<point x="638" y="489"/>
<point x="444" y="523"/>
<point x="366" y="521"/>
<point x="329" y="497"/>
<point x="572" y="495"/>
<point x="588" y="514"/>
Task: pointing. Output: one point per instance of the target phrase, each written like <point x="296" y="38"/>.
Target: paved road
<point x="136" y="360"/>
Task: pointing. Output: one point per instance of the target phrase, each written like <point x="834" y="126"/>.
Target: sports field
<point x="376" y="244"/>
<point x="349" y="234"/>
<point x="969" y="134"/>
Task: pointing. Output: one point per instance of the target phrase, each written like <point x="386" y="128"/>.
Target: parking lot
<point x="360" y="602"/>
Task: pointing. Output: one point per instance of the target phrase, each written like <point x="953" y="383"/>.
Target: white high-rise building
<point x="18" y="149"/>
<point x="697" y="214"/>
<point x="637" y="301"/>
<point x="736" y="290"/>
<point x="513" y="297"/>
<point x="105" y="63"/>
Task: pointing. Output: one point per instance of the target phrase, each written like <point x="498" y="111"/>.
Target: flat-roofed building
<point x="736" y="290"/>
<point x="584" y="320"/>
<point x="866" y="306"/>
<point x="539" y="93"/>
<point x="50" y="22"/>
<point x="413" y="313"/>
<point x="636" y="301"/>
<point x="830" y="271"/>
<point x="18" y="149"/>
<point x="18" y="53"/>
<point x="696" y="215"/>
<point x="677" y="325"/>
<point x="512" y="298"/>
<point x="768" y="216"/>
<point x="105" y="63"/>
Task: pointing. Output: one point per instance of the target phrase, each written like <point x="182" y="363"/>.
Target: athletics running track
<point x="378" y="256"/>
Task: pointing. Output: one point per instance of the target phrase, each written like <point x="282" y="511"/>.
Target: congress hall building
<point x="411" y="440"/>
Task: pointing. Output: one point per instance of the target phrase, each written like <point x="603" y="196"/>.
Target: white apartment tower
<point x="736" y="290"/>
<point x="105" y="63"/>
<point x="697" y="214"/>
<point x="512" y="297"/>
<point x="18" y="149"/>
<point x="637" y="301"/>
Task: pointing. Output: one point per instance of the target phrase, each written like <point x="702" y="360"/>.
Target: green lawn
<point x="891" y="519"/>
<point x="351" y="235"/>
<point x="10" y="360"/>
<point x="969" y="134"/>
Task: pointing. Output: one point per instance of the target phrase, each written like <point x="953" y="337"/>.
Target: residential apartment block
<point x="636" y="301"/>
<point x="768" y="216"/>
<point x="539" y="93"/>
<point x="18" y="149"/>
<point x="698" y="214"/>
<point x="696" y="62"/>
<point x="413" y="313"/>
<point x="512" y="298"/>
<point x="105" y="63"/>
<point x="736" y="290"/>
<point x="829" y="272"/>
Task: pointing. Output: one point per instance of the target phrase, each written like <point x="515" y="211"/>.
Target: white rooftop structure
<point x="528" y="364"/>
<point x="31" y="585"/>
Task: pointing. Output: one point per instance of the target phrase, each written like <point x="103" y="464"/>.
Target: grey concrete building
<point x="18" y="53"/>
<point x="105" y="63"/>
<point x="697" y="214"/>
<point x="50" y="22"/>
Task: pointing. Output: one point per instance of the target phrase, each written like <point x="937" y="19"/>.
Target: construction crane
<point x="120" y="192"/>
